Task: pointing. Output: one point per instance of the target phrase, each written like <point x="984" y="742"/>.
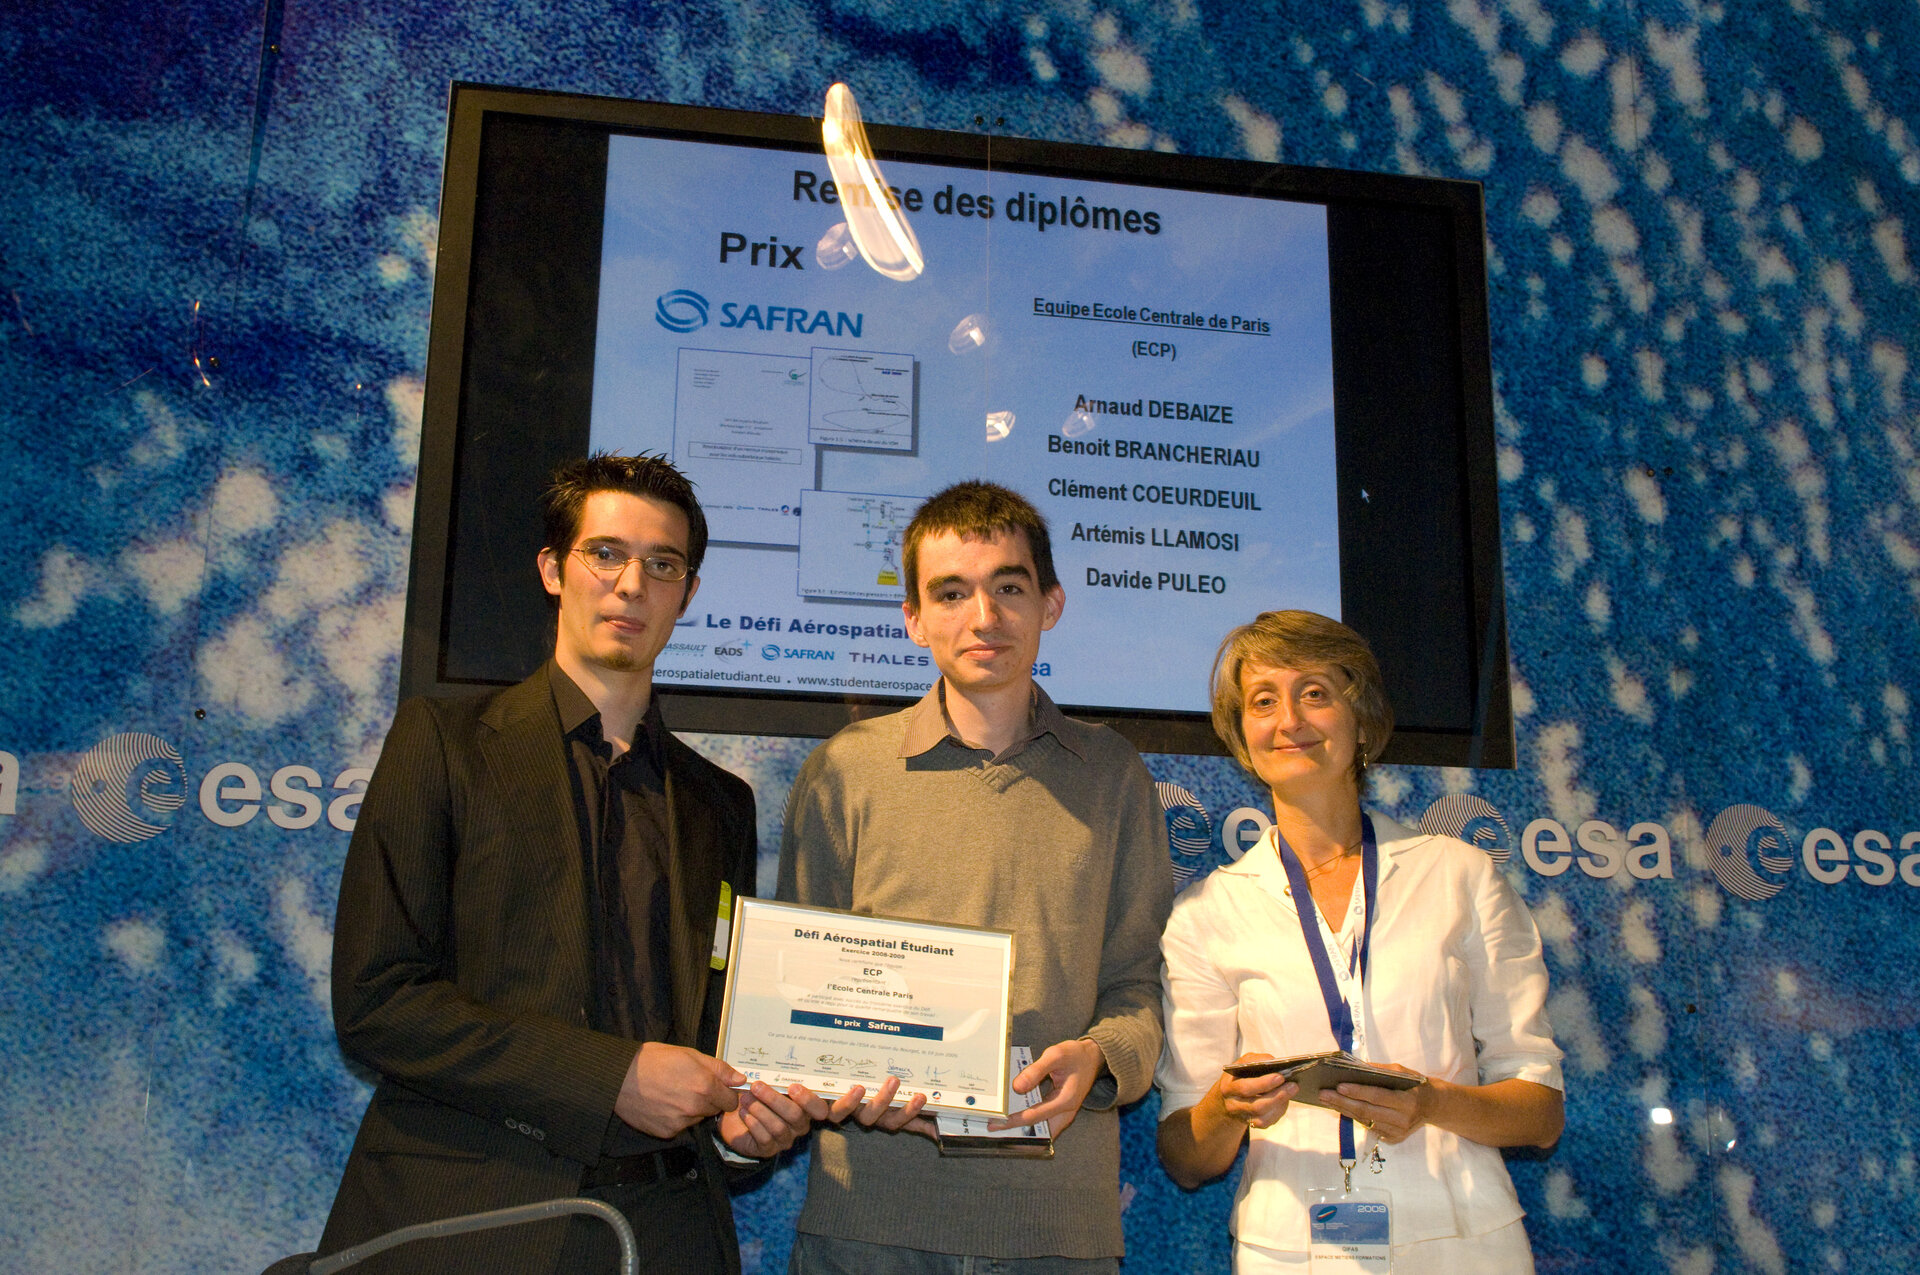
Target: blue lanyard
<point x="1339" y="1012"/>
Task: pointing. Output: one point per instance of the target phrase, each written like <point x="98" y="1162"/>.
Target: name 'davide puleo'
<point x="1175" y="581"/>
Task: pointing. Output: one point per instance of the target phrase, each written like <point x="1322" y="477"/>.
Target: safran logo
<point x="770" y="652"/>
<point x="681" y="310"/>
<point x="127" y="788"/>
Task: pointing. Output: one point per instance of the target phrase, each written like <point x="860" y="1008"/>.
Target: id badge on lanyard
<point x="1350" y="1232"/>
<point x="1350" y="1229"/>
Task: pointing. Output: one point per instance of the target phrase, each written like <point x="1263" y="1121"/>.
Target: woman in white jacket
<point x="1429" y="963"/>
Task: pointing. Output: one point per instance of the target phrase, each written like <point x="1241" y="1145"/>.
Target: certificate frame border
<point x="737" y="937"/>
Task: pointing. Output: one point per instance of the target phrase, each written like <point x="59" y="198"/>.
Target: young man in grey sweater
<point x="984" y="805"/>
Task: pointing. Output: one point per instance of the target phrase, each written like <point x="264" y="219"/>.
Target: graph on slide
<point x="862" y="399"/>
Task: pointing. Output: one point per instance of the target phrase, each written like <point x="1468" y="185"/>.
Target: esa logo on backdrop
<point x="1473" y="821"/>
<point x="127" y="788"/>
<point x="130" y="787"/>
<point x="1740" y="837"/>
<point x="1747" y="848"/>
<point x="1189" y="831"/>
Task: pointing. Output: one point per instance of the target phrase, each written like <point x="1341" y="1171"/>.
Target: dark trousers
<point x="682" y="1224"/>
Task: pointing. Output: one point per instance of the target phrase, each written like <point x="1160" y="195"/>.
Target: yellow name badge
<point x="722" y="929"/>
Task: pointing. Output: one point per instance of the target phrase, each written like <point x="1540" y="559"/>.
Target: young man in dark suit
<point x="528" y="931"/>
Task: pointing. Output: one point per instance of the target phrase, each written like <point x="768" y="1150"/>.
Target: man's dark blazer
<point x="462" y="969"/>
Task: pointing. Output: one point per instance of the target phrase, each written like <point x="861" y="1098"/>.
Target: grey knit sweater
<point x="1060" y="840"/>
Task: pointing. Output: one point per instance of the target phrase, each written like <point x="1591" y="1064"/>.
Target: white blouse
<point x="1456" y="989"/>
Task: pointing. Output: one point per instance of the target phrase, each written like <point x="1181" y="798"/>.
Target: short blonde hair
<point x="1301" y="640"/>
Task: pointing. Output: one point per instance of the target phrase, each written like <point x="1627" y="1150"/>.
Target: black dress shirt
<point x="621" y="805"/>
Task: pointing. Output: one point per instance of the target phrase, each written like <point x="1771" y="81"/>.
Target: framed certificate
<point x="832" y="999"/>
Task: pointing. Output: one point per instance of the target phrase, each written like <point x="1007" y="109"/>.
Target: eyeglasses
<point x="610" y="564"/>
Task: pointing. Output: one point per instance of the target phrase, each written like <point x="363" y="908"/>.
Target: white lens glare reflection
<point x="999" y="425"/>
<point x="874" y="216"/>
<point x="1078" y="422"/>
<point x="968" y="335"/>
<point x="836" y="248"/>
<point x="1661" y="1115"/>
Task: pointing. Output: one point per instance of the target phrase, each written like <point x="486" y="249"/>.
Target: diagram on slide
<point x="862" y="399"/>
<point x="739" y="432"/>
<point x="850" y="545"/>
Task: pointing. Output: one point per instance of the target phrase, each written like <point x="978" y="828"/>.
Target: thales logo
<point x="681" y="310"/>
<point x="127" y="788"/>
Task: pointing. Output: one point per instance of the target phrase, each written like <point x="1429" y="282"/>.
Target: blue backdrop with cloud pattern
<point x="217" y="237"/>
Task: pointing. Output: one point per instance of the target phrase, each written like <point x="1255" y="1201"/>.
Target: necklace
<point x="1346" y="853"/>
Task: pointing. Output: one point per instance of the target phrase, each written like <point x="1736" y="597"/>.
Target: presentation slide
<point x="1151" y="367"/>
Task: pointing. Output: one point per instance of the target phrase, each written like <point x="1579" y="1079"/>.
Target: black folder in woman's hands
<point x="1314" y="1072"/>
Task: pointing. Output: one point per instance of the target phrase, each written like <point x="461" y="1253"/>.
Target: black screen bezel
<point x="510" y="374"/>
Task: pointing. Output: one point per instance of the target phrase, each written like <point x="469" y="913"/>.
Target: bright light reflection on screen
<point x="836" y="248"/>
<point x="878" y="225"/>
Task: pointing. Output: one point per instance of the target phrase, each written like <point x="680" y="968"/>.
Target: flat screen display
<point x="1163" y="393"/>
<point x="1230" y="387"/>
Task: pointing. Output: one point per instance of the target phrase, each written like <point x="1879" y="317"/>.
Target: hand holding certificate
<point x="975" y="1135"/>
<point x="832" y="1000"/>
